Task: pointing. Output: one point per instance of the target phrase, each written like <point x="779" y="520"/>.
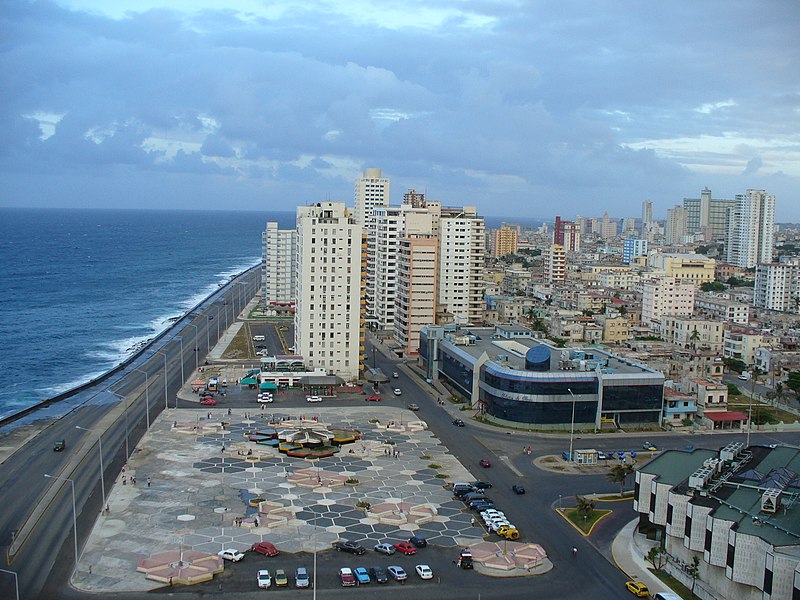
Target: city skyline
<point x="514" y="109"/>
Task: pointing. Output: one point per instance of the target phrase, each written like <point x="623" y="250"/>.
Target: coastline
<point x="141" y="348"/>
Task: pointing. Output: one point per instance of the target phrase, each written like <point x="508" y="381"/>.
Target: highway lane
<point x="49" y="547"/>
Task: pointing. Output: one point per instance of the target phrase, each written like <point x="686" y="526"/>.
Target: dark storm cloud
<point x="501" y="104"/>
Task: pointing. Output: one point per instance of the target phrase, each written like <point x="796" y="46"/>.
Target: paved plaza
<point x="197" y="485"/>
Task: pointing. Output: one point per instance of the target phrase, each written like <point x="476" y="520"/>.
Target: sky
<point x="519" y="107"/>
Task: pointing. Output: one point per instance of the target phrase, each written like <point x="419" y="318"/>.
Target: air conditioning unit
<point x="770" y="501"/>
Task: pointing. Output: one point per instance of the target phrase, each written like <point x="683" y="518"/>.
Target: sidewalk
<point x="629" y="550"/>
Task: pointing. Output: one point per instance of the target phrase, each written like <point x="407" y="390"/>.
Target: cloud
<point x="515" y="107"/>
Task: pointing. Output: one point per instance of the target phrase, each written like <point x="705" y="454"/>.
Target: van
<point x="259" y="338"/>
<point x="666" y="596"/>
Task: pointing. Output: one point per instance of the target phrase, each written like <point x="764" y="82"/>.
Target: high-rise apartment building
<point x="664" y="296"/>
<point x="676" y="225"/>
<point x="567" y="234"/>
<point x="327" y="316"/>
<point x="415" y="300"/>
<point x="631" y="248"/>
<point x="555" y="263"/>
<point x="608" y="227"/>
<point x="462" y="252"/>
<point x="752" y="231"/>
<point x="778" y="286"/>
<point x="505" y="241"/>
<point x="372" y="189"/>
<point x="414" y="198"/>
<point x="647" y="212"/>
<point x="278" y="268"/>
<point x="708" y="216"/>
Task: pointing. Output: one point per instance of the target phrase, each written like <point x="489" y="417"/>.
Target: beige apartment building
<point x="462" y="251"/>
<point x="415" y="302"/>
<point x="665" y="296"/>
<point x="691" y="268"/>
<point x="692" y="333"/>
<point x="616" y="330"/>
<point x="555" y="263"/>
<point x="506" y="241"/>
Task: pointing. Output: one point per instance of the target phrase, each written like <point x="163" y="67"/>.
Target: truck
<point x="465" y="560"/>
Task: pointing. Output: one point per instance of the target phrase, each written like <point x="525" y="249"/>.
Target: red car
<point x="373" y="398"/>
<point x="265" y="548"/>
<point x="208" y="402"/>
<point x="485" y="463"/>
<point x="405" y="548"/>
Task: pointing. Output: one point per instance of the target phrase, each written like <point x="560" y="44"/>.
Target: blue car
<point x="361" y="575"/>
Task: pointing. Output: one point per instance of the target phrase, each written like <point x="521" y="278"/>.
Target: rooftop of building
<point x="737" y="495"/>
<point x="510" y="352"/>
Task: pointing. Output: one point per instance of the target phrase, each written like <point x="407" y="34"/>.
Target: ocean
<point x="85" y="288"/>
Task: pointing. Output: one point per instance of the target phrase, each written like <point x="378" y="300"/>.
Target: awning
<point x="377" y="376"/>
<point x="730" y="415"/>
<point x="321" y="380"/>
<point x="198" y="382"/>
<point x="268" y="385"/>
<point x="248" y="381"/>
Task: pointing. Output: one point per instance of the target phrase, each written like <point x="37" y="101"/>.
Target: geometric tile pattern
<point x="398" y="468"/>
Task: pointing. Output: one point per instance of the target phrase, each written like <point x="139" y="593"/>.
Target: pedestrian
<point x="123" y="468"/>
<point x="108" y="508"/>
<point x="133" y="480"/>
<point x="223" y="447"/>
<point x="90" y="569"/>
<point x="124" y="480"/>
<point x="229" y="412"/>
<point x="148" y="482"/>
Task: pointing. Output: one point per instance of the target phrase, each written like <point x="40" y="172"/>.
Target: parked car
<point x="313" y="399"/>
<point x="263" y="578"/>
<point x="265" y="548"/>
<point x="602" y="455"/>
<point x="482" y="485"/>
<point x="481" y="504"/>
<point x="346" y="577"/>
<point x="395" y="375"/>
<point x="413" y="407"/>
<point x="637" y="588"/>
<point x="281" y="580"/>
<point x="485" y="463"/>
<point x="361" y="575"/>
<point x="398" y="392"/>
<point x="373" y="398"/>
<point x="231" y="554"/>
<point x="517" y="489"/>
<point x="351" y="547"/>
<point x="397" y="573"/>
<point x="405" y="548"/>
<point x="59" y="445"/>
<point x="208" y="402"/>
<point x="301" y="578"/>
<point x="418" y="541"/>
<point x="379" y="574"/>
<point x="649" y="446"/>
<point x="465" y="560"/>
<point x="424" y="571"/>
<point x="385" y="548"/>
<point x="458" y="422"/>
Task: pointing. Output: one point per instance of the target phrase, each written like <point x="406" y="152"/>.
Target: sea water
<point x="84" y="289"/>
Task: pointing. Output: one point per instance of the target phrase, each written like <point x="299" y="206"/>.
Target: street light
<point x="208" y="339"/>
<point x="16" y="579"/>
<point x="146" y="395"/>
<point x="753" y="375"/>
<point x="164" y="354"/>
<point x="74" y="513"/>
<point x="196" y="349"/>
<point x="572" y="426"/>
<point x="127" y="434"/>
<point x="183" y="377"/>
<point x="102" y="475"/>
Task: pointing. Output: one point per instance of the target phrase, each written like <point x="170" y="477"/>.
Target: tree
<point x="693" y="571"/>
<point x="584" y="506"/>
<point x="657" y="556"/>
<point x="793" y="381"/>
<point x="712" y="286"/>
<point x="619" y="474"/>
<point x="693" y="338"/>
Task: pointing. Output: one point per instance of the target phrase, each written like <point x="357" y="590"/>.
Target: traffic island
<point x="583" y="523"/>
<point x="510" y="559"/>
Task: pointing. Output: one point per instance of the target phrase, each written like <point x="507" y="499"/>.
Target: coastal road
<point x="37" y="510"/>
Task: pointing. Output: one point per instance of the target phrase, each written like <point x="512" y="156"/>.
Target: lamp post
<point x="102" y="474"/>
<point x="183" y="377"/>
<point x="208" y="339"/>
<point x="146" y="396"/>
<point x="196" y="334"/>
<point x="16" y="579"/>
<point x="127" y="432"/>
<point x="572" y="426"/>
<point x="753" y="375"/>
<point x="74" y="513"/>
<point x="164" y="354"/>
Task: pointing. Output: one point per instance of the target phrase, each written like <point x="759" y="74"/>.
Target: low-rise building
<point x="734" y="510"/>
<point x="665" y="296"/>
<point x="692" y="333"/>
<point x="678" y="406"/>
<point x="616" y="329"/>
<point x="740" y="343"/>
<point x="722" y="308"/>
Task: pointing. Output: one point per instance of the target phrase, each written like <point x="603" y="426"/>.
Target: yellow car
<point x="637" y="588"/>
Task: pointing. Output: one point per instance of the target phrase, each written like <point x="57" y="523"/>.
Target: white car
<point x="264" y="579"/>
<point x="495" y="525"/>
<point x="398" y="392"/>
<point x="491" y="512"/>
<point x="264" y="398"/>
<point x="313" y="399"/>
<point x="231" y="554"/>
<point x="424" y="571"/>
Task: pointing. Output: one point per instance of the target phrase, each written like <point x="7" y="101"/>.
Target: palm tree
<point x="693" y="338"/>
<point x="584" y="506"/>
<point x="619" y="474"/>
